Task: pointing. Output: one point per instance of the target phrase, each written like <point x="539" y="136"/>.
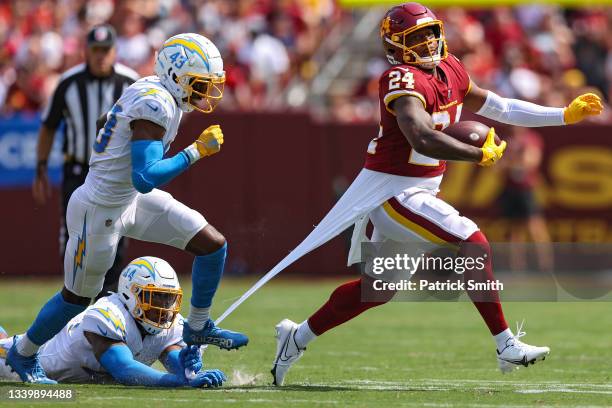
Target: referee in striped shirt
<point x="83" y="94"/>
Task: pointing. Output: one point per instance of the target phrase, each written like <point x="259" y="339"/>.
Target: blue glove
<point x="208" y="379"/>
<point x="191" y="360"/>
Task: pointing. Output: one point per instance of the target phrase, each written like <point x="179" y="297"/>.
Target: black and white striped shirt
<point x="79" y="99"/>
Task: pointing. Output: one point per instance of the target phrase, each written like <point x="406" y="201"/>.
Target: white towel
<point x="368" y="190"/>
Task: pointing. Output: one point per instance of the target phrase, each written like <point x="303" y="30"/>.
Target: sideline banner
<point x="18" y="137"/>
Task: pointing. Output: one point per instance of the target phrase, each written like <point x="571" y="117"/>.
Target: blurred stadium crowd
<point x="544" y="54"/>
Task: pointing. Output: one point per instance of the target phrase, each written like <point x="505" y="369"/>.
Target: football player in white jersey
<point x="120" y="198"/>
<point x="121" y="335"/>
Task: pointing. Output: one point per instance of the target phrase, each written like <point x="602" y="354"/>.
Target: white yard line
<point x="215" y="400"/>
<point x="493" y="385"/>
<point x="332" y="402"/>
<point x="562" y="390"/>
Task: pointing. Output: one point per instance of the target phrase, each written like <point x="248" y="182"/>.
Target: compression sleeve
<point x="520" y="113"/>
<point x="172" y="362"/>
<point x="120" y="363"/>
<point x="150" y="169"/>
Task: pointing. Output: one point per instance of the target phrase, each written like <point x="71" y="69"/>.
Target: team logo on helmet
<point x="385" y="26"/>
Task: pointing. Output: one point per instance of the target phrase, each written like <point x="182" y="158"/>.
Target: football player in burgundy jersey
<point x="423" y="92"/>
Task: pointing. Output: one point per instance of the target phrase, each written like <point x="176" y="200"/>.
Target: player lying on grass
<point x="120" y="197"/>
<point x="423" y="93"/>
<point x="121" y="335"/>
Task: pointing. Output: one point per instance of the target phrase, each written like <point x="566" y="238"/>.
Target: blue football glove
<point x="191" y="361"/>
<point x="208" y="379"/>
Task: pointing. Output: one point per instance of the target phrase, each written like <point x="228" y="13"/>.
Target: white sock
<point x="25" y="347"/>
<point x="304" y="335"/>
<point x="197" y="317"/>
<point x="502" y="338"/>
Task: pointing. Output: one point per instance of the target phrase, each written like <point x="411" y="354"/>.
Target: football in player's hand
<point x="470" y="132"/>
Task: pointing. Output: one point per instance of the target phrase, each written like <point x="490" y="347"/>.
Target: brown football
<point x="470" y="132"/>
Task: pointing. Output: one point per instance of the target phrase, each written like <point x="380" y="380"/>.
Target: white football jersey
<point x="69" y="357"/>
<point x="109" y="181"/>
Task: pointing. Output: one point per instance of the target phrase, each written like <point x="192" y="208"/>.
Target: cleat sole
<point x="232" y="348"/>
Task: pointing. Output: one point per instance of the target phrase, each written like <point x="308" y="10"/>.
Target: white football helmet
<point x="151" y="292"/>
<point x="190" y="67"/>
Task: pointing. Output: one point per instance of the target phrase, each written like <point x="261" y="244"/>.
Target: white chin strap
<point x="427" y="62"/>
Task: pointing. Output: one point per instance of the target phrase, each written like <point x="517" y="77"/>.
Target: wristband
<point x="192" y="153"/>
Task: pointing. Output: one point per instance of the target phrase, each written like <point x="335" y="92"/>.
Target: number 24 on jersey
<point x="399" y="79"/>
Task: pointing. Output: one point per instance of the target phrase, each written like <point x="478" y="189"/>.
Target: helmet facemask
<point x="156" y="308"/>
<point x="204" y="92"/>
<point x="427" y="58"/>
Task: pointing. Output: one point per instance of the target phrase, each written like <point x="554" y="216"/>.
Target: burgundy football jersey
<point x="390" y="152"/>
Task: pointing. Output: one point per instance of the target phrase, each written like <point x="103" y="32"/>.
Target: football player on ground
<point x="122" y="334"/>
<point x="422" y="93"/>
<point x="120" y="197"/>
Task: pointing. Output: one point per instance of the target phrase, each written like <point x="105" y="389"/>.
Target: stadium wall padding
<point x="278" y="174"/>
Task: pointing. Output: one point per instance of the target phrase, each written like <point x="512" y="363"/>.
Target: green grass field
<point x="398" y="355"/>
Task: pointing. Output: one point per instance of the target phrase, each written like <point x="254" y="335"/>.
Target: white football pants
<point x="94" y="232"/>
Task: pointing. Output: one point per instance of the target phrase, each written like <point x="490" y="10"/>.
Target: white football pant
<point x="94" y="232"/>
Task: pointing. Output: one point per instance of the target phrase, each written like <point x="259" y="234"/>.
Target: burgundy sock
<point x="487" y="302"/>
<point x="343" y="305"/>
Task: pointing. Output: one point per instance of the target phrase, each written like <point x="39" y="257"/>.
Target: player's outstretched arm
<point x="521" y="113"/>
<point x="150" y="169"/>
<point x="117" y="359"/>
<point x="417" y="126"/>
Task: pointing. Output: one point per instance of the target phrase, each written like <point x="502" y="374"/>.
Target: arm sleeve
<point x="172" y="362"/>
<point x="120" y="363"/>
<point x="150" y="169"/>
<point x="174" y="337"/>
<point x="520" y="113"/>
